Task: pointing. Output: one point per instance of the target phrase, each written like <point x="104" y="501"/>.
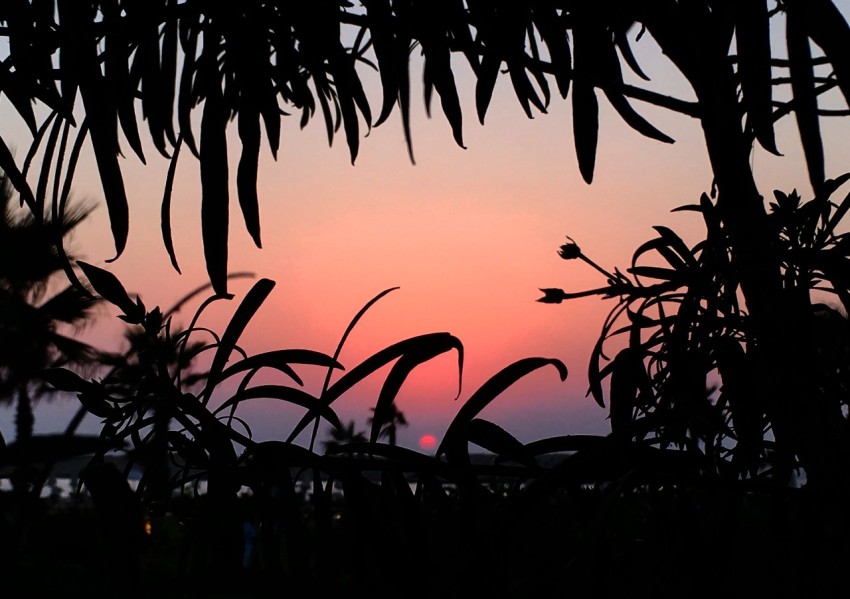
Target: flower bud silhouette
<point x="552" y="296"/>
<point x="570" y="251"/>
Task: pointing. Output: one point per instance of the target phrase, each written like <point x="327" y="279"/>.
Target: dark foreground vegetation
<point x="689" y="493"/>
<point x="723" y="365"/>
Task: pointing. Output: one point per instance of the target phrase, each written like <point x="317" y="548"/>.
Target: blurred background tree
<point x="39" y="311"/>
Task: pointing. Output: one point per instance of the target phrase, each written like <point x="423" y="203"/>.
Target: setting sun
<point x="427" y="442"/>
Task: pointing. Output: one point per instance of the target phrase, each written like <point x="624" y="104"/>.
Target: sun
<point x="427" y="442"/>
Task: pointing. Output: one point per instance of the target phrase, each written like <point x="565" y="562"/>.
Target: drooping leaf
<point x="655" y="272"/>
<point x="632" y="118"/>
<point x="13" y="88"/>
<point x="289" y="395"/>
<point x="554" y="34"/>
<point x="246" y="175"/>
<point x="187" y="96"/>
<point x="627" y="379"/>
<point x="351" y="98"/>
<point x="110" y="288"/>
<point x="340" y="345"/>
<point x="671" y="247"/>
<point x="281" y="360"/>
<point x="752" y="36"/>
<point x="215" y="197"/>
<point x="565" y="444"/>
<point x="404" y="100"/>
<point x="101" y="119"/>
<point x="36" y="142"/>
<point x="622" y="40"/>
<point x="487" y="74"/>
<point x="113" y="182"/>
<point x="395" y="379"/>
<point x="523" y="89"/>
<point x="73" y="159"/>
<point x="146" y="63"/>
<point x="165" y="210"/>
<point x="828" y="28"/>
<point x="168" y="69"/>
<point x="677" y="244"/>
<point x="597" y="354"/>
<point x="836" y="217"/>
<point x="116" y="57"/>
<point x="270" y="111"/>
<point x="495" y="439"/>
<point x="585" y="127"/>
<point x="56" y="210"/>
<point x="492" y="388"/>
<point x="805" y="98"/>
<point x="437" y="74"/>
<point x="66" y="380"/>
<point x="46" y="164"/>
<point x="16" y="178"/>
<point x="379" y="13"/>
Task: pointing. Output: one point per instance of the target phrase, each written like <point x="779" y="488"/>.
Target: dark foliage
<point x="729" y="379"/>
<point x="684" y="373"/>
<point x="250" y="62"/>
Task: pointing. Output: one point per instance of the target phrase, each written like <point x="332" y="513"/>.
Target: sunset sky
<point x="469" y="236"/>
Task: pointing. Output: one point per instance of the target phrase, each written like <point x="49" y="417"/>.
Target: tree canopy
<point x="104" y="68"/>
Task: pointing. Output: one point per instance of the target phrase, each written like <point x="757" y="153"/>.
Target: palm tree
<point x="394" y="418"/>
<point x="33" y="313"/>
<point x="343" y="436"/>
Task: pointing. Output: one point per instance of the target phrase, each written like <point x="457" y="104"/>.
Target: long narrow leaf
<point x="16" y="178"/>
<point x="752" y="35"/>
<point x="289" y="395"/>
<point x="430" y="344"/>
<point x="633" y="119"/>
<point x="110" y="288"/>
<point x="495" y="439"/>
<point x="555" y="35"/>
<point x="585" y="127"/>
<point x="215" y="198"/>
<point x="165" y="210"/>
<point x="805" y="99"/>
<point x="491" y="389"/>
<point x="395" y="379"/>
<point x="243" y="315"/>
<point x="488" y="72"/>
<point x="246" y="174"/>
<point x="281" y="360"/>
<point x="828" y="28"/>
<point x="379" y="13"/>
<point x="46" y="165"/>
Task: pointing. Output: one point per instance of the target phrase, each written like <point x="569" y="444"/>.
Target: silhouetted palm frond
<point x="32" y="320"/>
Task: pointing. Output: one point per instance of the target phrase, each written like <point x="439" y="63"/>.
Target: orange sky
<point x="468" y="235"/>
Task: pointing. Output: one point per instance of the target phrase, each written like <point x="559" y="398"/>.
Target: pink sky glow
<point x="468" y="236"/>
